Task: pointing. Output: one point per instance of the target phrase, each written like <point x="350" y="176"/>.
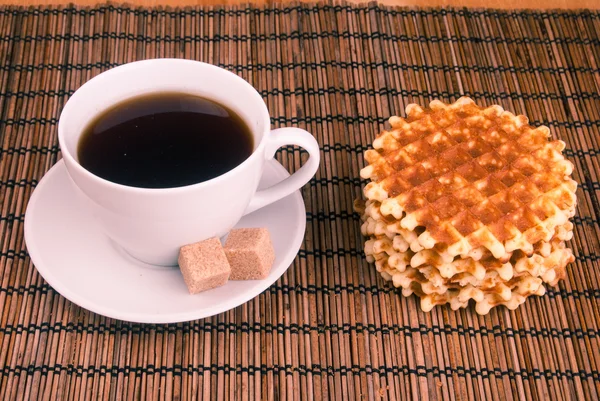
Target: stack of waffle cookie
<point x="467" y="203"/>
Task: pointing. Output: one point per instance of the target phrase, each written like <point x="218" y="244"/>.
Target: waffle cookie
<point x="467" y="203"/>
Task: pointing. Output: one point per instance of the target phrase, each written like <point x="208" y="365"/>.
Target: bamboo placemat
<point x="330" y="328"/>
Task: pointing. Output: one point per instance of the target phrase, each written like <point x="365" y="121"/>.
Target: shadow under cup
<point x="152" y="224"/>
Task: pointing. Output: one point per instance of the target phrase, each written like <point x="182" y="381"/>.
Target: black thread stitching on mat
<point x="302" y="370"/>
<point x="581" y="153"/>
<point x="427" y="94"/>
<point x="332" y="216"/>
<point x="359" y="149"/>
<point x="344" y="215"/>
<point x="330" y="253"/>
<point x="332" y="90"/>
<point x="11" y="218"/>
<point x="334" y="147"/>
<point x="304" y="329"/>
<point x="326" y="217"/>
<point x="12" y="254"/>
<point x="358" y="182"/>
<point x="579" y="220"/>
<point x="302" y="253"/>
<point x="464" y="12"/>
<point x="327" y="148"/>
<point x="11" y="183"/>
<point x="316" y="120"/>
<point x="314" y="182"/>
<point x="297" y="35"/>
<point x="338" y="289"/>
<point x="325" y="64"/>
<point x="585" y="258"/>
<point x="25" y="290"/>
<point x="590" y="186"/>
<point x="23" y="150"/>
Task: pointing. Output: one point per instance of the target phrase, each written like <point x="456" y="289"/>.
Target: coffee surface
<point x="164" y="140"/>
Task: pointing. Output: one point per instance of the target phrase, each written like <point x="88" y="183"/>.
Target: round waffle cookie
<point x="467" y="203"/>
<point x="374" y="223"/>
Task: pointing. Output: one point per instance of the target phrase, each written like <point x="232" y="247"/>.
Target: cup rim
<point x="71" y="161"/>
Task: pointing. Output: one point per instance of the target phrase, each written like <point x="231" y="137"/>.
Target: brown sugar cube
<point x="204" y="265"/>
<point x="250" y="253"/>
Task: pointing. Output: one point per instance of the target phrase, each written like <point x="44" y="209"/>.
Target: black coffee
<point x="164" y="140"/>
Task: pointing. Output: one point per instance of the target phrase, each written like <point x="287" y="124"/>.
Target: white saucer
<point x="86" y="267"/>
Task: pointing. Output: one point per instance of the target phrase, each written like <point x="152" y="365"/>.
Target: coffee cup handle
<point x="278" y="138"/>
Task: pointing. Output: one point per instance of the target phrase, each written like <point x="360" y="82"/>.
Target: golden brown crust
<point x="467" y="203"/>
<point x="471" y="177"/>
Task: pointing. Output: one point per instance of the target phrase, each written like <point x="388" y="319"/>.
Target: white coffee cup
<point x="152" y="224"/>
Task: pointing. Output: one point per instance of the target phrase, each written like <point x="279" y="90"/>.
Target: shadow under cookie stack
<point x="467" y="203"/>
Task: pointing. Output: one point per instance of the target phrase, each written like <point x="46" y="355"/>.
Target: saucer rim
<point x="163" y="318"/>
